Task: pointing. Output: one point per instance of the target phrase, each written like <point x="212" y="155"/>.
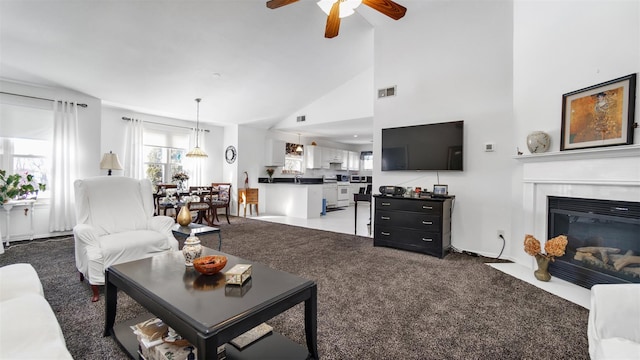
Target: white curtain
<point x="63" y="166"/>
<point x="195" y="166"/>
<point x="134" y="148"/>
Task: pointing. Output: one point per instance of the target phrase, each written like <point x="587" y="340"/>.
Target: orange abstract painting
<point x="597" y="117"/>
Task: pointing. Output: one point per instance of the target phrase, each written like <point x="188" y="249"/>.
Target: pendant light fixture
<point x="196" y="152"/>
<point x="299" y="148"/>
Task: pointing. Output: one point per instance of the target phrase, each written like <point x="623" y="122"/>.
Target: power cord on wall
<point x="503" y="244"/>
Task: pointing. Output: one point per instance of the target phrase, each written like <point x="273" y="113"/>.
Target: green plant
<point x="17" y="185"/>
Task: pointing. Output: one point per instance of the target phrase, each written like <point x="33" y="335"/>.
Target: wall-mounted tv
<point x="423" y="147"/>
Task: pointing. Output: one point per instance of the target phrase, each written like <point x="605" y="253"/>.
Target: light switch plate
<point x="488" y="147"/>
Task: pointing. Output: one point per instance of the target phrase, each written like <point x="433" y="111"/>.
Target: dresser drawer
<point x="408" y="239"/>
<point x="414" y="220"/>
<point x="424" y="206"/>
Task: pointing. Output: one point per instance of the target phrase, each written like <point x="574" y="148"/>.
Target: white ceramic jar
<point x="191" y="249"/>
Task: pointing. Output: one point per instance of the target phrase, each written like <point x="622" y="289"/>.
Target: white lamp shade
<point x="110" y="161"/>
<point x="347" y="7"/>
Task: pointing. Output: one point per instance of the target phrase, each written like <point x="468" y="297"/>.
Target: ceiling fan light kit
<point x="347" y="7"/>
<point x="337" y="9"/>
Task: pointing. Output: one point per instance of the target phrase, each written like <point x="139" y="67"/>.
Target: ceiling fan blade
<point x="333" y="21"/>
<point x="387" y="7"/>
<point x="274" y="4"/>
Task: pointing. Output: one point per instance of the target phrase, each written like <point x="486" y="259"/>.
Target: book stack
<point x="157" y="341"/>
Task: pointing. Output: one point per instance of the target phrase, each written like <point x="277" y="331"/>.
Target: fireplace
<point x="604" y="240"/>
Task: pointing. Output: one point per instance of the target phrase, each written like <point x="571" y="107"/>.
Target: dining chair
<point x="222" y="200"/>
<point x="202" y="203"/>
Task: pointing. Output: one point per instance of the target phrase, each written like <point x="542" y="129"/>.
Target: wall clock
<point x="230" y="154"/>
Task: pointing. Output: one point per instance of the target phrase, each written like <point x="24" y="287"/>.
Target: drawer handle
<point x="385" y="233"/>
<point x="385" y="204"/>
<point x="385" y="218"/>
<point x="428" y="240"/>
<point x="427" y="207"/>
<point x="427" y="222"/>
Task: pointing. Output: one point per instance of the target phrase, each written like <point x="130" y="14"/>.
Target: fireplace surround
<point x="604" y="241"/>
<point x="608" y="174"/>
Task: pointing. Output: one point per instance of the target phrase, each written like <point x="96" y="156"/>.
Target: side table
<point x="196" y="229"/>
<point x="248" y="197"/>
<point x="28" y="208"/>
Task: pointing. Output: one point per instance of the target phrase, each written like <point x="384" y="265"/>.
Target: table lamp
<point x="110" y="162"/>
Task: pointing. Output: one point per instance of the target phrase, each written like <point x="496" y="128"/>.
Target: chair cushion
<point x="19" y="279"/>
<point x="131" y="245"/>
<point x="29" y="330"/>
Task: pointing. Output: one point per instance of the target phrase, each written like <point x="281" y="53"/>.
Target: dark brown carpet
<point x="373" y="303"/>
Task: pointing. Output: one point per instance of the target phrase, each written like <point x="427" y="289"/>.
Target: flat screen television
<point x="423" y="147"/>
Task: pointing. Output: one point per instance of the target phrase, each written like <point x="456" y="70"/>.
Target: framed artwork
<point x="600" y="115"/>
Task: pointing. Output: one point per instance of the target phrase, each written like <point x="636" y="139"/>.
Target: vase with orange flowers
<point x="553" y="248"/>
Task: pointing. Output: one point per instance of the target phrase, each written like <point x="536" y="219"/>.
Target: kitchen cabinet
<point x="331" y="155"/>
<point x="354" y="161"/>
<point x="344" y="156"/>
<point x="327" y="157"/>
<point x="313" y="157"/>
<point x="274" y="152"/>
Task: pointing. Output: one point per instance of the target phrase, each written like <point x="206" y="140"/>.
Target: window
<point x="161" y="163"/>
<point x="367" y="160"/>
<point x="26" y="138"/>
<point x="164" y="154"/>
<point x="293" y="159"/>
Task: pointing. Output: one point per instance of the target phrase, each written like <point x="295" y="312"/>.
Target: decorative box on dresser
<point x="414" y="224"/>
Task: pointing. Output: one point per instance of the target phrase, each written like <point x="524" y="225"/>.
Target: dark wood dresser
<point x="414" y="224"/>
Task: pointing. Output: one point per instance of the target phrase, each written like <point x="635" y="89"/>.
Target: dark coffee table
<point x="211" y="316"/>
<point x="197" y="230"/>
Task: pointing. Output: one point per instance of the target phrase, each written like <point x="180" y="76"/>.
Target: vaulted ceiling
<point x="249" y="64"/>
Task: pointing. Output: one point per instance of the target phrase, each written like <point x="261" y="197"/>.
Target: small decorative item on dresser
<point x="209" y="265"/>
<point x="553" y="248"/>
<point x="538" y="142"/>
<point x="191" y="249"/>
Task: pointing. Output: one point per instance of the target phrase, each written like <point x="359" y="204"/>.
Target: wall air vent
<point x="301" y="118"/>
<point x="390" y="91"/>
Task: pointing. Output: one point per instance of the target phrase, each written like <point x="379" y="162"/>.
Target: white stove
<point x="344" y="193"/>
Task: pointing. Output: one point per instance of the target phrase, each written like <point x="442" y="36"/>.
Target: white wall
<point x="453" y="61"/>
<point x="559" y="47"/>
<point x="352" y="100"/>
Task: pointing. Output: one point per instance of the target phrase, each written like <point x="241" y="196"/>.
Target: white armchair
<point x="115" y="224"/>
<point x="614" y="321"/>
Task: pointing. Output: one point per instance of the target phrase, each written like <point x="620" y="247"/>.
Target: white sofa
<point x="614" y="322"/>
<point x="28" y="327"/>
<point x="115" y="224"/>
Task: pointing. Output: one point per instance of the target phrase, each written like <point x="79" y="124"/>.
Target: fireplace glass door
<point x="604" y="240"/>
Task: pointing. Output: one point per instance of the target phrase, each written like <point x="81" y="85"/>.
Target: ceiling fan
<point x="337" y="9"/>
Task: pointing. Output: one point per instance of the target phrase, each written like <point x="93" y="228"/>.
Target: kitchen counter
<point x="291" y="181"/>
<point x="298" y="200"/>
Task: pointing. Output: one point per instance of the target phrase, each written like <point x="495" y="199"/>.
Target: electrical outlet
<point x="500" y="233"/>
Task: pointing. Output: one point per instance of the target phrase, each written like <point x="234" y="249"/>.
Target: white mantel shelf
<point x="593" y="153"/>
